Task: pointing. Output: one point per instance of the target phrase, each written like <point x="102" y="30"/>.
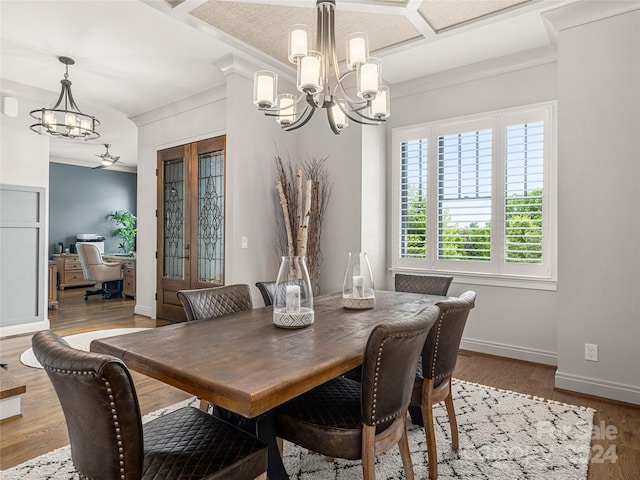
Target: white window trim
<point x="496" y="272"/>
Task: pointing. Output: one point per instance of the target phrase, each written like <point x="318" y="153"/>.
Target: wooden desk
<point x="245" y="364"/>
<point x="128" y="273"/>
<point x="70" y="271"/>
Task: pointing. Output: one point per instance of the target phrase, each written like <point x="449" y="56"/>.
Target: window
<point x="476" y="195"/>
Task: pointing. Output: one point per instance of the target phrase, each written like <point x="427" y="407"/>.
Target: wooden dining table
<point x="244" y="364"/>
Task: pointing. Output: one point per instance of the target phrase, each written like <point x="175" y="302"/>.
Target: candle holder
<point x="358" y="292"/>
<point x="293" y="301"/>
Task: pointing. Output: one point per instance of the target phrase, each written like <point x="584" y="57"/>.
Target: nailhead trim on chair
<point x="437" y="343"/>
<point x="375" y="381"/>
<point x="114" y="411"/>
<point x="116" y="424"/>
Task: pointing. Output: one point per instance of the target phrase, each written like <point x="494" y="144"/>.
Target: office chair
<point x="100" y="272"/>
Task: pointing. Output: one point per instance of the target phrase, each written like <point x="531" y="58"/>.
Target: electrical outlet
<point x="591" y="352"/>
<point x="245" y="242"/>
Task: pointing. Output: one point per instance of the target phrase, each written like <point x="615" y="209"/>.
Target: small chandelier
<point x="319" y="86"/>
<point x="65" y="118"/>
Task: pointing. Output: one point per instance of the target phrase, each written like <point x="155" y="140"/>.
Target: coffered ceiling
<point x="388" y="23"/>
<point x="136" y="56"/>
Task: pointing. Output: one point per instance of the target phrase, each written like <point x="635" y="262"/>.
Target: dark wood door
<point x="191" y="201"/>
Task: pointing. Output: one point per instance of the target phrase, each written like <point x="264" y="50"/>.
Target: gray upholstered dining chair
<point x="358" y="420"/>
<point x="108" y="439"/>
<point x="428" y="284"/>
<point x="268" y="292"/>
<point x="438" y="361"/>
<point x="209" y="303"/>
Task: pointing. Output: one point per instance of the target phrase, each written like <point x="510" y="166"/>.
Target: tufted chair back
<point x="216" y="301"/>
<point x="388" y="366"/>
<point x="100" y="406"/>
<point x="268" y="291"/>
<point x="427" y="284"/>
<point x="440" y="351"/>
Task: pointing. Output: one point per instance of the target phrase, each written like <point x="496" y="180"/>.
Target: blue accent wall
<point x="80" y="200"/>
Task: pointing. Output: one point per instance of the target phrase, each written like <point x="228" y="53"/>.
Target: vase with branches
<point x="303" y="192"/>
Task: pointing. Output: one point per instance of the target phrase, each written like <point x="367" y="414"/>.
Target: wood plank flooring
<point x="42" y="427"/>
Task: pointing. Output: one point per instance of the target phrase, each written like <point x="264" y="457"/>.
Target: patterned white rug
<point x="503" y="436"/>
<point x="81" y="341"/>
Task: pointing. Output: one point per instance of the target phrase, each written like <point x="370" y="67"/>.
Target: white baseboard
<point x="145" y="311"/>
<point x="21" y="328"/>
<point x="510" y="351"/>
<point x="598" y="387"/>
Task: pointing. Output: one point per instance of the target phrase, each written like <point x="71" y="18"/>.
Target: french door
<point x="191" y="203"/>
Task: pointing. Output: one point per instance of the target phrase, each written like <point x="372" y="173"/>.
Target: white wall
<point x="596" y="82"/>
<point x="343" y="221"/>
<point x="599" y="269"/>
<point x="24" y="161"/>
<point x="253" y="141"/>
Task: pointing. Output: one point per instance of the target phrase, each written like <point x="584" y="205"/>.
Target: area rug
<point x="81" y="341"/>
<point x="503" y="436"/>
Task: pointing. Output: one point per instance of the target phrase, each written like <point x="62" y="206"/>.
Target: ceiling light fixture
<point x="319" y="85"/>
<point x="65" y="118"/>
<point x="107" y="158"/>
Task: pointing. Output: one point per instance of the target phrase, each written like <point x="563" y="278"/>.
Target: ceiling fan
<point x="107" y="159"/>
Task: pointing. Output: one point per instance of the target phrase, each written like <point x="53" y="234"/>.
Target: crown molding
<point x="583" y="12"/>
<point x="489" y="68"/>
<point x="192" y="102"/>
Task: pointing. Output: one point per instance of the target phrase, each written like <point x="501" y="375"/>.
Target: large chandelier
<point x="320" y="82"/>
<point x="65" y="118"/>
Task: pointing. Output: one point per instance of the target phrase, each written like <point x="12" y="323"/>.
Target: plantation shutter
<point x="524" y="179"/>
<point x="464" y="196"/>
<point x="413" y="199"/>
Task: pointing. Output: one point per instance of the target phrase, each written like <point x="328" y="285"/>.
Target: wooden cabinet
<point x="70" y="271"/>
<point x="53" y="285"/>
<point x="129" y="279"/>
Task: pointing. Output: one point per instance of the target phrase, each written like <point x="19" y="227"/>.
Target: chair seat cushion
<point x="332" y="408"/>
<point x="187" y="443"/>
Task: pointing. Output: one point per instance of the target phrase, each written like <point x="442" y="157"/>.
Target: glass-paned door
<point x="191" y="194"/>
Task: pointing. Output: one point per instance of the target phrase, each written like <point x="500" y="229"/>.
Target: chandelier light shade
<point x="320" y="81"/>
<point x="65" y="119"/>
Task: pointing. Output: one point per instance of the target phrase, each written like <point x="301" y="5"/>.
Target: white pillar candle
<point x="358" y="286"/>
<point x="292" y="299"/>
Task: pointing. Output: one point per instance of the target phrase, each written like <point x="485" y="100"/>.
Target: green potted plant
<point x="126" y="223"/>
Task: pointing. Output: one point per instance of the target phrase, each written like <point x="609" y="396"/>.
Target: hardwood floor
<point x="615" y="453"/>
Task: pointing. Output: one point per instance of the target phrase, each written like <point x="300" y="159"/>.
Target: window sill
<point x="507" y="281"/>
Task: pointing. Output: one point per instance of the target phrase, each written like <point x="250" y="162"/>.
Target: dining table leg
<point x="263" y="427"/>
